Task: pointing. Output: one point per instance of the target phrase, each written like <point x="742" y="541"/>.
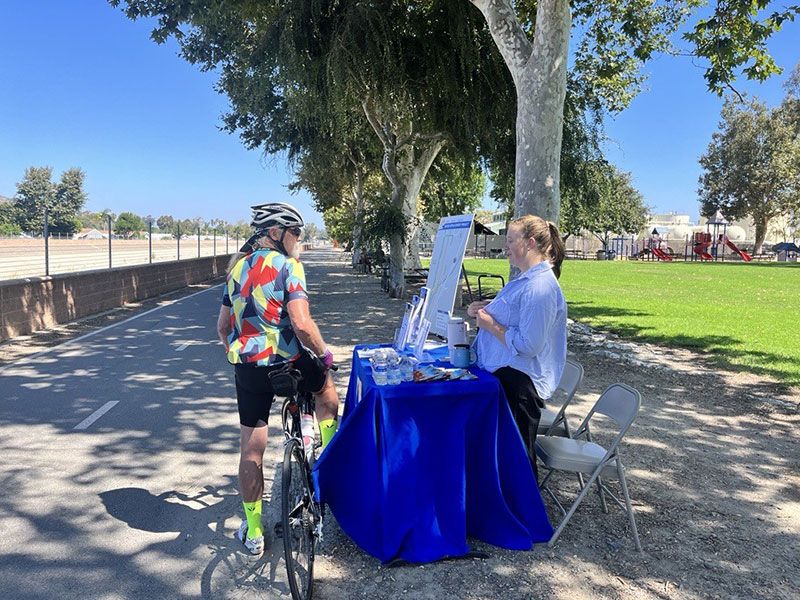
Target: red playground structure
<point x="702" y="240"/>
<point x="656" y="247"/>
<point x="711" y="246"/>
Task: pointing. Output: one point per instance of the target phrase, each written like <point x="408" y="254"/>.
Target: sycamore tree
<point x="423" y="74"/>
<point x="343" y="170"/>
<point x="751" y="166"/>
<point x="584" y="169"/>
<point x="614" y="38"/>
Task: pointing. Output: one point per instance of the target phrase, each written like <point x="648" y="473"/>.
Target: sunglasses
<point x="295" y="231"/>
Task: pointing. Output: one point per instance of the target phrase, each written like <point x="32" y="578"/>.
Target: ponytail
<point x="556" y="250"/>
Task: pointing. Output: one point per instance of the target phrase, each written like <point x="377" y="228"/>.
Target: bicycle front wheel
<point x="299" y="521"/>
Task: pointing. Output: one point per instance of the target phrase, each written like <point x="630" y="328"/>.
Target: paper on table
<point x="408" y="337"/>
<point x="402" y="336"/>
<point x="422" y="336"/>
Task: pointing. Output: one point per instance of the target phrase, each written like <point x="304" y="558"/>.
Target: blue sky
<point x="84" y="86"/>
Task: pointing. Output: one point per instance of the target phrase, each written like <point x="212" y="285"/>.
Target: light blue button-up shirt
<point x="533" y="309"/>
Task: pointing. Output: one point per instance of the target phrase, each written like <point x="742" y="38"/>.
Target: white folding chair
<point x="619" y="402"/>
<point x="555" y="422"/>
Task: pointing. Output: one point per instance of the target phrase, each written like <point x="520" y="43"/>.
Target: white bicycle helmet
<point x="276" y="214"/>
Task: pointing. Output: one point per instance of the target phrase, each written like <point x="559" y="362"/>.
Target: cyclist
<point x="264" y="322"/>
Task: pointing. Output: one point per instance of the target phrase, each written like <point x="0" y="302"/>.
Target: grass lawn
<point x="744" y="316"/>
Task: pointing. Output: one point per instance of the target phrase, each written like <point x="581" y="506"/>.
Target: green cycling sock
<point x="326" y="430"/>
<point x="252" y="511"/>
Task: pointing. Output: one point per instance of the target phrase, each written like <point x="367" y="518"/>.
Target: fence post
<point x="109" y="240"/>
<point x="198" y="242"/>
<point x="215" y="241"/>
<point x="46" y="244"/>
<point x="237" y="239"/>
<point x="179" y="241"/>
<point x="150" y="241"/>
<point x="226" y="243"/>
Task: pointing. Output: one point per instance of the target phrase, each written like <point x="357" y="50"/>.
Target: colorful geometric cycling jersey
<point x="258" y="288"/>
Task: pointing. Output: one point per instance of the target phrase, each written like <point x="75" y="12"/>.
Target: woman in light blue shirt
<point x="523" y="331"/>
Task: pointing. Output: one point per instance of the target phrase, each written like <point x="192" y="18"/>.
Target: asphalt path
<point x="118" y="462"/>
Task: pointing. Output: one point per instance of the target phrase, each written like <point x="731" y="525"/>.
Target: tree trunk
<point x="412" y="251"/>
<point x="412" y="171"/>
<point x="539" y="70"/>
<point x="406" y="173"/>
<point x="761" y="223"/>
<point x="397" y="278"/>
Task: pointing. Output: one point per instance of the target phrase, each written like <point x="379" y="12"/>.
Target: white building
<point x="90" y="234"/>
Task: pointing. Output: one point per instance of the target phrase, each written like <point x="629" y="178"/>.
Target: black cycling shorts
<point x="254" y="394"/>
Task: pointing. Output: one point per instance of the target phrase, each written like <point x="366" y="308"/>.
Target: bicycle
<point x="301" y="514"/>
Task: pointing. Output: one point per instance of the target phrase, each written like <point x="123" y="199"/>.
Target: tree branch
<point x="383" y="131"/>
<point x="507" y="33"/>
<point x="372" y="117"/>
<point x="426" y="137"/>
<point x="430" y="153"/>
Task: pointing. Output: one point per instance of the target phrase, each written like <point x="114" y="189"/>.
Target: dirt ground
<point x="712" y="461"/>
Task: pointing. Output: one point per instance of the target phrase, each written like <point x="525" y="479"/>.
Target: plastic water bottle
<point x="380" y="366"/>
<point x="393" y="376"/>
<point x="379" y="373"/>
<point x="307" y="429"/>
<point x="407" y="366"/>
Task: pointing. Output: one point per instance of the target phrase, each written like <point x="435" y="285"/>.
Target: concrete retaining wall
<point x="28" y="305"/>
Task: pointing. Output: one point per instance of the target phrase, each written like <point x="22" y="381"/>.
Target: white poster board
<point x="445" y="270"/>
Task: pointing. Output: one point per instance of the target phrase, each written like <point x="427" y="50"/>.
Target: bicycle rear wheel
<point x="300" y="517"/>
<point x="289" y="419"/>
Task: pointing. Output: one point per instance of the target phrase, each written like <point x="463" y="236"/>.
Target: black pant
<point x="523" y="398"/>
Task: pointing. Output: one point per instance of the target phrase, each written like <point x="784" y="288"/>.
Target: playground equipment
<point x="656" y="246"/>
<point x="702" y="240"/>
<point x="786" y="251"/>
<point x="732" y="246"/>
<point x="710" y="244"/>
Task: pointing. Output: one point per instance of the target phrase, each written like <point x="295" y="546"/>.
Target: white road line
<point x="96" y="415"/>
<point x="183" y="347"/>
<point x="27" y="359"/>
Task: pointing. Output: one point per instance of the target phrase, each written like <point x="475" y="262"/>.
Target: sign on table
<point x="445" y="270"/>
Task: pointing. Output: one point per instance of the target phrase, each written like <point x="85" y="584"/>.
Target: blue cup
<point x="463" y="356"/>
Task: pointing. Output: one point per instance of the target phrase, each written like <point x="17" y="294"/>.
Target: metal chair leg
<point x="573" y="508"/>
<point x="624" y="485"/>
<point x="602" y="494"/>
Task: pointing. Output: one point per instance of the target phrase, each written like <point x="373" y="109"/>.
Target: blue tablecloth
<point x="415" y="468"/>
